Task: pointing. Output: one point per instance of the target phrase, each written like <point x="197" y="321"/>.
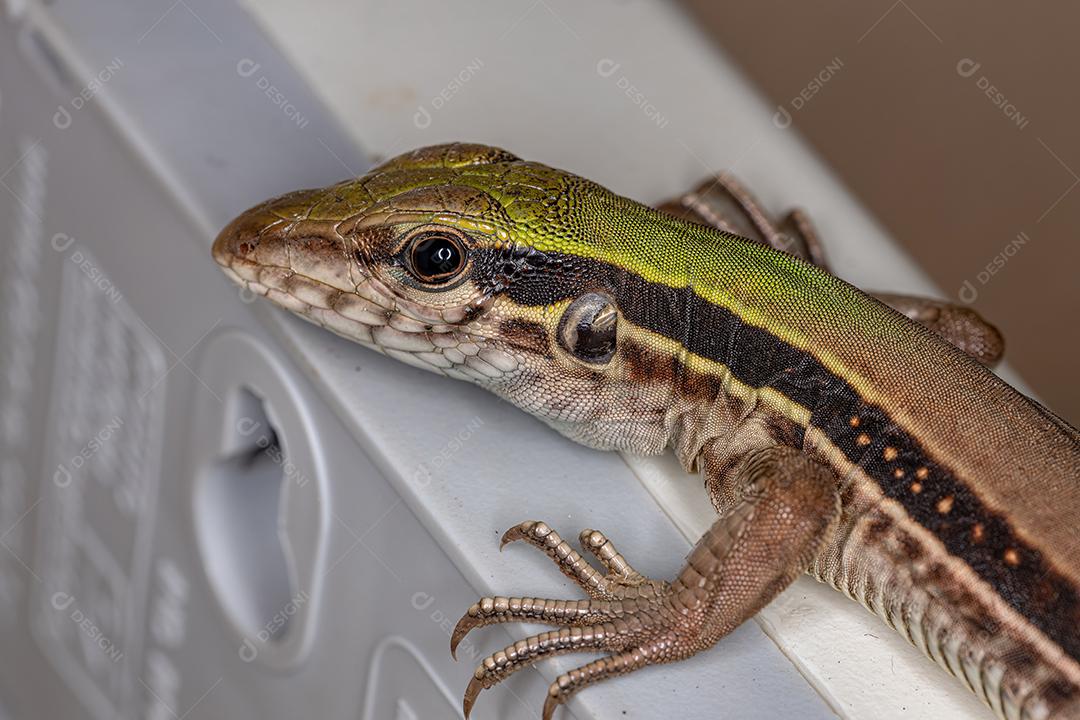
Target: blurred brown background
<point x="957" y="125"/>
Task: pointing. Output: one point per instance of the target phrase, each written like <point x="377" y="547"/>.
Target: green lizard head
<point x="466" y="261"/>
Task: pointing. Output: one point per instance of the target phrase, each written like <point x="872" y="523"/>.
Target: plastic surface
<point x="261" y="507"/>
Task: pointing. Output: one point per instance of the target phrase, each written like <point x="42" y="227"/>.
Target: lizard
<point x="835" y="434"/>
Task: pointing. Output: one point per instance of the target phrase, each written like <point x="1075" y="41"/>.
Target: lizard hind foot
<point x="748" y="556"/>
<point x="637" y="620"/>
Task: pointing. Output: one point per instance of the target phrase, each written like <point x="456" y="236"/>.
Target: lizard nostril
<point x="234" y="241"/>
<point x="225" y="247"/>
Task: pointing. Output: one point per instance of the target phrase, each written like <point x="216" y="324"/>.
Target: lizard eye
<point x="587" y="328"/>
<point x="435" y="256"/>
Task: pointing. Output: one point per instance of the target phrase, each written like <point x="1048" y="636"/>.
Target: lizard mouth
<point x="303" y="274"/>
<point x="305" y="266"/>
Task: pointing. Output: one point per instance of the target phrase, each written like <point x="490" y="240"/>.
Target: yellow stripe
<point x="763" y="276"/>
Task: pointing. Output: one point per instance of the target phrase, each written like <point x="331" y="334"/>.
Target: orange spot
<point x="854" y="421"/>
<point x="977" y="532"/>
<point x="1011" y="557"/>
<point x="889" y="453"/>
<point x="863" y="439"/>
<point x="922" y="473"/>
<point x="916" y="487"/>
<point x="898" y="473"/>
<point x="944" y="505"/>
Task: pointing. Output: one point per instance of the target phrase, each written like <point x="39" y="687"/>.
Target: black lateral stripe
<point x="930" y="492"/>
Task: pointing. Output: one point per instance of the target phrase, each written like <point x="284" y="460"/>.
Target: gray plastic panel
<point x="135" y="510"/>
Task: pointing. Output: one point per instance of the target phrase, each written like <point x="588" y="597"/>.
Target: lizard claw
<point x="471" y="693"/>
<point x="554" y="700"/>
<point x="530" y="529"/>
<point x="638" y="620"/>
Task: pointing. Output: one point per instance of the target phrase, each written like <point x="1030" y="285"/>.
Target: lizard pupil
<point x="436" y="257"/>
<point x="587" y="329"/>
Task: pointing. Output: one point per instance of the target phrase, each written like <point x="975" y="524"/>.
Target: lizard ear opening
<point x="587" y="328"/>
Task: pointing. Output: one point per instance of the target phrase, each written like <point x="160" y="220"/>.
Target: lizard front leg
<point x="788" y="505"/>
<point x="724" y="203"/>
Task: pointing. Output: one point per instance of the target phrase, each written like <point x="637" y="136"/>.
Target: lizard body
<point x="836" y="435"/>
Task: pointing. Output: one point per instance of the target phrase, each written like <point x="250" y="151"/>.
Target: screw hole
<point x="239" y="516"/>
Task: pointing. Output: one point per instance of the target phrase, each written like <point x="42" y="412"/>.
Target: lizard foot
<point x="764" y="541"/>
<point x="637" y="620"/>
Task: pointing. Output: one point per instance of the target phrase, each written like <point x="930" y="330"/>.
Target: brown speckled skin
<point x="877" y="558"/>
<point x="835" y="434"/>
